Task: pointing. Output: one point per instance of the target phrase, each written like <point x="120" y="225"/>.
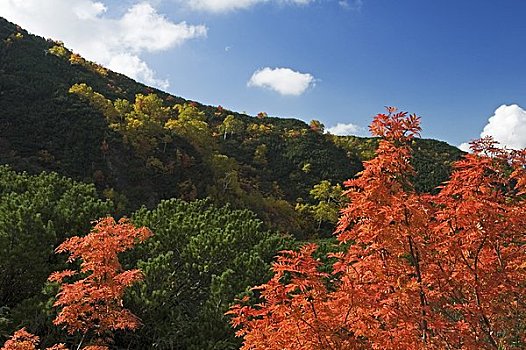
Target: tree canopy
<point x="442" y="271"/>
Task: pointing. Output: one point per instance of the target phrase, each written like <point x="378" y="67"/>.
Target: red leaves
<point x="95" y="301"/>
<point x="421" y="271"/>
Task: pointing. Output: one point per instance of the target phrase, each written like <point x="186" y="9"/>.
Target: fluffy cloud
<point x="282" y="80"/>
<point x="232" y="5"/>
<point x="117" y="43"/>
<point x="507" y="126"/>
<point x="464" y="147"/>
<point x="133" y="66"/>
<point x="342" y="129"/>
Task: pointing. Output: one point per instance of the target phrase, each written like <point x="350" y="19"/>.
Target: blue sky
<point x="455" y="63"/>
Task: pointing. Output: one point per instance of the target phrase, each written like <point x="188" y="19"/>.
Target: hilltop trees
<point x="150" y="162"/>
<point x="191" y="124"/>
<point x="420" y="271"/>
<point x="316" y="126"/>
<point x="231" y="126"/>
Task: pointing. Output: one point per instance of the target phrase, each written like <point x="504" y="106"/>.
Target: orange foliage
<point x="23" y="340"/>
<point x="63" y="347"/>
<point x="421" y="271"/>
<point x="94" y="302"/>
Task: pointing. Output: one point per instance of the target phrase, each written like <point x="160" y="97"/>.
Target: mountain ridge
<point x="267" y="164"/>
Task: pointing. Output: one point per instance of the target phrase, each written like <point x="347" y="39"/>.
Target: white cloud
<point x="464" y="147"/>
<point x="132" y="65"/>
<point x="282" y="80"/>
<point x="89" y="10"/>
<point x="507" y="126"/>
<point x="117" y="43"/>
<point x="343" y="129"/>
<point x="143" y="28"/>
<point x="355" y="5"/>
<point x="218" y="6"/>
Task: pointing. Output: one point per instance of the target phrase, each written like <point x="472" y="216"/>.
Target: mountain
<point x="139" y="145"/>
<point x="103" y="143"/>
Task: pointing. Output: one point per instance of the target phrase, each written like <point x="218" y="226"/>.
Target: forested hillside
<point x="134" y="219"/>
<point x="139" y="145"/>
<point x="199" y="260"/>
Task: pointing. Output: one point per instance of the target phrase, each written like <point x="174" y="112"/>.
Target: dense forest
<point x="221" y="192"/>
<point x="139" y="145"/>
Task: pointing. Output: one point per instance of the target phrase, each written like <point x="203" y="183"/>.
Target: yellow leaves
<point x="190" y="124"/>
<point x="231" y="125"/>
<point x="316" y="126"/>
<point x="152" y="106"/>
<point x="134" y="124"/>
<point x="99" y="69"/>
<point x="189" y="111"/>
<point x="75" y="58"/>
<point x="259" y="129"/>
<point x="96" y="99"/>
<point x="58" y="50"/>
<point x="13" y="37"/>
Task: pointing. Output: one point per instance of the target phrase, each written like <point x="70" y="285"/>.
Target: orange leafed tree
<point x="420" y="271"/>
<point x="92" y="303"/>
<point x="23" y="340"/>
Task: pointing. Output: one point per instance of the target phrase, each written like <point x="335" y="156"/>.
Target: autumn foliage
<point x="445" y="271"/>
<point x="92" y="303"/>
<point x="23" y="340"/>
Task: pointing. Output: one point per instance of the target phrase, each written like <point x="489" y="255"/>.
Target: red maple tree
<point x="420" y="271"/>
